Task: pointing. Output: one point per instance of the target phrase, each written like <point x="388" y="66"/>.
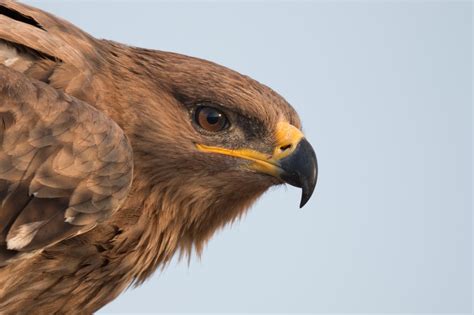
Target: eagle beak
<point x="293" y="159"/>
<point x="300" y="169"/>
<point x="296" y="160"/>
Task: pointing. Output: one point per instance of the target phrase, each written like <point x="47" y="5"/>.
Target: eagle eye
<point x="210" y="119"/>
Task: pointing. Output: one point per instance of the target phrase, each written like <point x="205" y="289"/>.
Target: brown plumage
<point x="110" y="162"/>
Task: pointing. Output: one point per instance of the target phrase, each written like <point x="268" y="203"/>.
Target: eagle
<point x="115" y="158"/>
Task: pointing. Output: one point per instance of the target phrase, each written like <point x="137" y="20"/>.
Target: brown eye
<point x="211" y="119"/>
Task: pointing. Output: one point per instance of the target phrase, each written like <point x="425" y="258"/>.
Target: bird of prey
<point x="114" y="158"/>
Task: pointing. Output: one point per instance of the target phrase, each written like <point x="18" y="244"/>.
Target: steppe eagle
<point x="113" y="158"/>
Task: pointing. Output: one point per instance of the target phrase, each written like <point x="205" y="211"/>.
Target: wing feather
<point x="64" y="166"/>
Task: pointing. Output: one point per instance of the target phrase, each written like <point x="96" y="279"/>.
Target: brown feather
<point x="73" y="109"/>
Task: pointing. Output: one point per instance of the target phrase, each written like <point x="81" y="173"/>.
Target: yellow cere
<point x="287" y="138"/>
<point x="286" y="135"/>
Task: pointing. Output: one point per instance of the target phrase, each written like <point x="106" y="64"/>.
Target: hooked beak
<point x="300" y="169"/>
<point x="293" y="159"/>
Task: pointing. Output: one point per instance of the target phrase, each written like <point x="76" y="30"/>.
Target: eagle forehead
<point x="191" y="80"/>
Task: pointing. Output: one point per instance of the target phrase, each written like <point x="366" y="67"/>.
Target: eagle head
<point x="213" y="140"/>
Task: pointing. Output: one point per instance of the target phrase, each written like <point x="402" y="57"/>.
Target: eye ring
<point x="210" y="119"/>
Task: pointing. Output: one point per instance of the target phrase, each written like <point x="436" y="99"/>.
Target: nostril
<point x="285" y="147"/>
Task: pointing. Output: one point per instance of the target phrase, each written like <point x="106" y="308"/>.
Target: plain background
<point x="384" y="92"/>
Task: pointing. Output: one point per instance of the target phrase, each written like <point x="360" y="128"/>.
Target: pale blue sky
<point x="384" y="92"/>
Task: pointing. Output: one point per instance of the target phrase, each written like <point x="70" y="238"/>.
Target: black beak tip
<point x="306" y="193"/>
<point x="301" y="170"/>
<point x="307" y="188"/>
<point x="305" y="196"/>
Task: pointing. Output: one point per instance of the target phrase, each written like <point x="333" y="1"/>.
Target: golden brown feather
<point x="80" y="117"/>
